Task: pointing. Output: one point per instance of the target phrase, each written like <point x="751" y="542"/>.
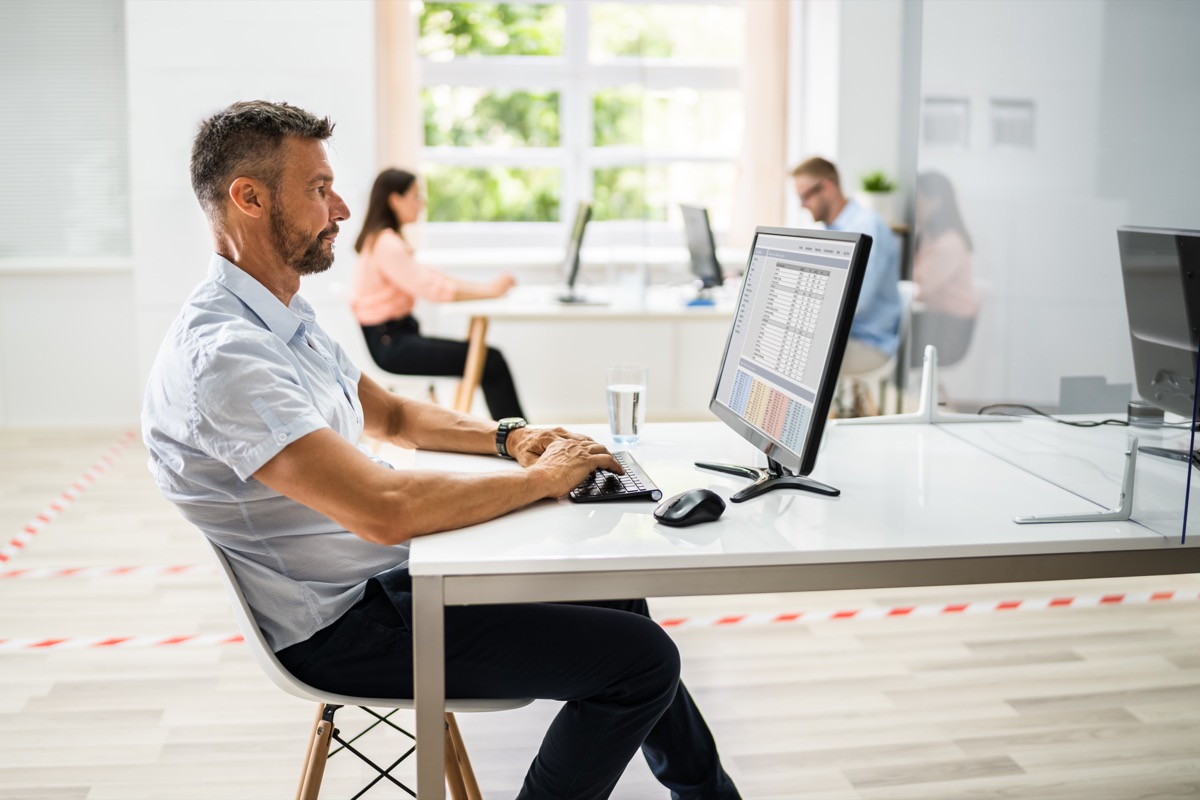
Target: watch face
<point x="512" y="422"/>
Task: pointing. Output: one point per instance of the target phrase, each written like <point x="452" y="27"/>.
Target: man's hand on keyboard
<point x="566" y="462"/>
<point x="528" y="444"/>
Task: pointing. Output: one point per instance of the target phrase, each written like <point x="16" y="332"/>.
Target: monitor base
<point x="703" y="298"/>
<point x="768" y="479"/>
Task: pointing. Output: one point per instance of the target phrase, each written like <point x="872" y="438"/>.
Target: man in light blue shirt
<point x="252" y="418"/>
<point x="875" y="332"/>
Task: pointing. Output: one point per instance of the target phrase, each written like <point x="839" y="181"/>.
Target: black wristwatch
<point x="507" y="425"/>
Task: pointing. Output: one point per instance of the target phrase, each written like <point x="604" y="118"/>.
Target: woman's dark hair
<point x="937" y="187"/>
<point x="379" y="214"/>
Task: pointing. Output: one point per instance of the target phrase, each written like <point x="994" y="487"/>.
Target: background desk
<point x="919" y="507"/>
<point x="681" y="345"/>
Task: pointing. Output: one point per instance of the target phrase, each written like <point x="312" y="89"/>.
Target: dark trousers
<point x="615" y="669"/>
<point x="398" y="347"/>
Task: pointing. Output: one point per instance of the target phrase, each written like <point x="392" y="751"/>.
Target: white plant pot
<point x="882" y="203"/>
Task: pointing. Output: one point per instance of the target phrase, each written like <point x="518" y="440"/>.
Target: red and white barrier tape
<point x="676" y="623"/>
<point x="88" y="642"/>
<point x="1128" y="598"/>
<point x="35" y="525"/>
<point x="108" y="572"/>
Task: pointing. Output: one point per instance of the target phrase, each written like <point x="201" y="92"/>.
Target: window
<point x="530" y="107"/>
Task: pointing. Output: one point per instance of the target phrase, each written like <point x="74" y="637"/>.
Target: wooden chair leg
<point x="464" y="760"/>
<point x="308" y="749"/>
<point x="473" y="369"/>
<point x="454" y="779"/>
<point x="318" y="754"/>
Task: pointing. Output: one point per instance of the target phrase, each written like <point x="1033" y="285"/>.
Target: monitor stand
<point x="774" y="476"/>
<point x="928" y="410"/>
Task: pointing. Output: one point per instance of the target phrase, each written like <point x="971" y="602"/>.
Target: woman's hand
<point x="502" y="284"/>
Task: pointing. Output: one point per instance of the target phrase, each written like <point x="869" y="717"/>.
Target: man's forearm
<point x="426" y="426"/>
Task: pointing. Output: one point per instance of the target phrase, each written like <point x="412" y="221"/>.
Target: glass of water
<point x="626" y="402"/>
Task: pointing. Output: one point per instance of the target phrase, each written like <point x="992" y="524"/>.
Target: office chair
<point x="459" y="776"/>
<point x="949" y="334"/>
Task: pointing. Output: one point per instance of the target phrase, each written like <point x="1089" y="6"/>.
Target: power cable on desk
<point x="1074" y="423"/>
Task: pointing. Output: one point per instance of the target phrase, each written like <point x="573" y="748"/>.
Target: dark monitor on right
<point x="701" y="246"/>
<point x="1160" y="268"/>
<point x="583" y="213"/>
<point x="780" y="369"/>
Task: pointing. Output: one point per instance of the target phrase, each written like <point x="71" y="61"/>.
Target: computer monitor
<point x="701" y="246"/>
<point x="780" y="368"/>
<point x="1160" y="268"/>
<point x="583" y="213"/>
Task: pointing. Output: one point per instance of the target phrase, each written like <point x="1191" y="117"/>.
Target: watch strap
<point x="506" y="425"/>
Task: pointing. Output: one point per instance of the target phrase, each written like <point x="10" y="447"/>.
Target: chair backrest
<point x="263" y="654"/>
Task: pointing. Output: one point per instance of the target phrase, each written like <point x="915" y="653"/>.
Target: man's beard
<point x="303" y="256"/>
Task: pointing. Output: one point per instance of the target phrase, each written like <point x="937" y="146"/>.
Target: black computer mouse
<point x="690" y="507"/>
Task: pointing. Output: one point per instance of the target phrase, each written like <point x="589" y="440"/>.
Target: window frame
<point x="577" y="79"/>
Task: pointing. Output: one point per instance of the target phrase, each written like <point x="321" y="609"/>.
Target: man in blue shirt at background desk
<point x="875" y="333"/>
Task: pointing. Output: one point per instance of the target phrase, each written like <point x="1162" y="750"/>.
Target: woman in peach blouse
<point x="387" y="281"/>
<point x="942" y="280"/>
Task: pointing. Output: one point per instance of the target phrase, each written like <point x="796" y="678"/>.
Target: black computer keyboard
<point x="635" y="484"/>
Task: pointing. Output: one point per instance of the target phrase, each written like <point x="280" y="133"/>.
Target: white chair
<point x="341" y="325"/>
<point x="459" y="776"/>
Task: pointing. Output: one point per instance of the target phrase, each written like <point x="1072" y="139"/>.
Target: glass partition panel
<point x="1045" y="129"/>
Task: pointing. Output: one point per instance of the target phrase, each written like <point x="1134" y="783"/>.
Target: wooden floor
<point x="1067" y="703"/>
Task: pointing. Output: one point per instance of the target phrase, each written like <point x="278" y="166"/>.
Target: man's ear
<point x="248" y="196"/>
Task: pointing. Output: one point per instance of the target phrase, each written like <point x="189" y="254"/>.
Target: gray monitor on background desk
<point x="583" y="214"/>
<point x="702" y="247"/>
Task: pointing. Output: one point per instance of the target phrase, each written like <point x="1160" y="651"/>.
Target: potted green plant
<point x="878" y="193"/>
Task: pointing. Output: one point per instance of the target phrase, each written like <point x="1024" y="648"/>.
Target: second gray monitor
<point x="574" y="244"/>
<point x="701" y="246"/>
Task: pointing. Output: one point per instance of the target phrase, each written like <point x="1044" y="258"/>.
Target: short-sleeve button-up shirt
<point x="238" y="378"/>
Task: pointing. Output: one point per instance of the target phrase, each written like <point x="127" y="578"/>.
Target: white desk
<point x="680" y="344"/>
<point x="918" y="507"/>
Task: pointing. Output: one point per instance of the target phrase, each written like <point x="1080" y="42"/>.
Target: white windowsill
<point x="65" y="266"/>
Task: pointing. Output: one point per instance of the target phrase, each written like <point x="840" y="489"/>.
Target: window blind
<point x="63" y="130"/>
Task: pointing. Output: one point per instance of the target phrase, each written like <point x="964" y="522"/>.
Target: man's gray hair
<point x="245" y="140"/>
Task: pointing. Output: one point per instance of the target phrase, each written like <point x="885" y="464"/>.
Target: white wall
<point x="869" y="100"/>
<point x="77" y="341"/>
<point x="65" y="338"/>
<point x="847" y="58"/>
